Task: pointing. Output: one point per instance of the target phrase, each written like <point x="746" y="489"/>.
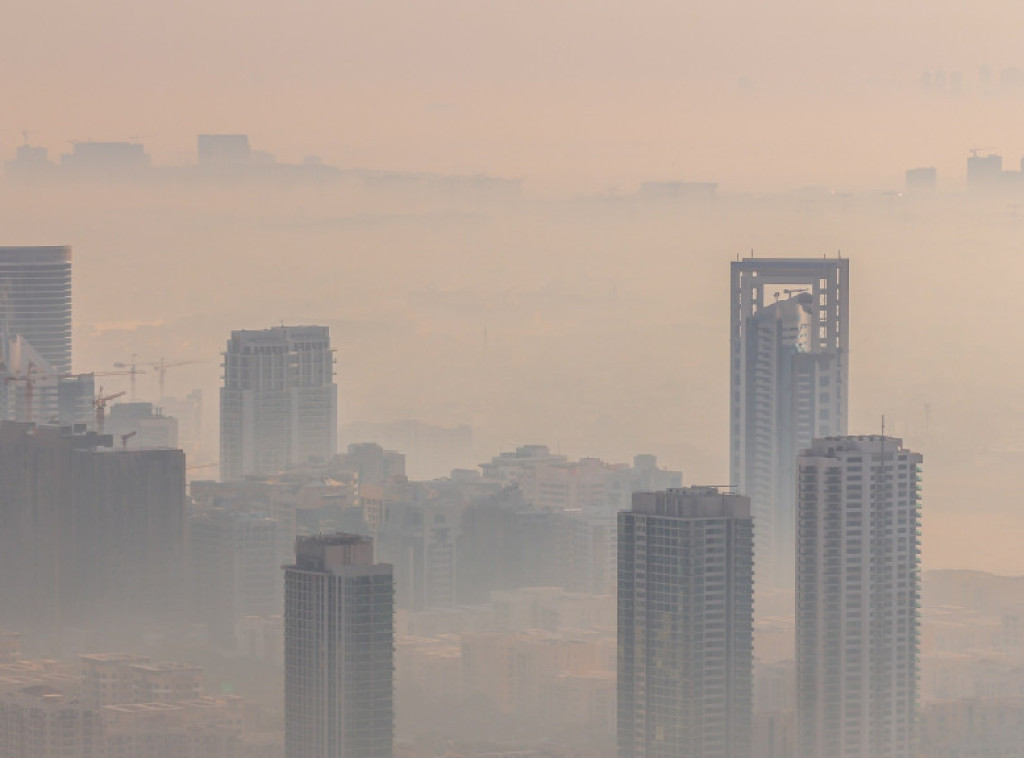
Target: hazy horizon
<point x="568" y="96"/>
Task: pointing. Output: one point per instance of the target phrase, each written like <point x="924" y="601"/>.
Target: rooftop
<point x="692" y="502"/>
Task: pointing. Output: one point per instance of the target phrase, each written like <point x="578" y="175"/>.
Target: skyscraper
<point x="685" y="625"/>
<point x="789" y="376"/>
<point x="35" y="300"/>
<point x="858" y="587"/>
<point x="338" y="650"/>
<point x="279" y="402"/>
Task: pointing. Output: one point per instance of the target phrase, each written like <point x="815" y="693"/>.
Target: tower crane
<point x="161" y="371"/>
<point x="133" y="370"/>
<point x="31" y="373"/>
<point x="34" y="373"/>
<point x="100" y="404"/>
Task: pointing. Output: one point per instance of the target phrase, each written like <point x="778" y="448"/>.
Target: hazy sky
<point x="565" y="93"/>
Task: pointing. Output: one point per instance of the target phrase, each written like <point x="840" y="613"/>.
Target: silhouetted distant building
<point x="372" y="463"/>
<point x="982" y="727"/>
<point x="140" y="425"/>
<point x="858" y="592"/>
<point x="235" y="560"/>
<point x="339" y="650"/>
<point x="279" y="402"/>
<point x="431" y="451"/>
<point x="105" y="159"/>
<point x="678" y="190"/>
<point x="923" y="179"/>
<point x="685" y="625"/>
<point x="984" y="170"/>
<point x="588" y="494"/>
<point x="223" y="150"/>
<point x="30" y="162"/>
<point x="789" y="377"/>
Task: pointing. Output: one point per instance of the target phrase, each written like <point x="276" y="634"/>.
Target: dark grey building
<point x="90" y="536"/>
<point x="685" y="625"/>
<point x="279" y="402"/>
<point x="789" y="376"/>
<point x="338" y="650"/>
<point x="858" y="590"/>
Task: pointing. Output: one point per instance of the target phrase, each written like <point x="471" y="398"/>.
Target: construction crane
<point x="32" y="372"/>
<point x="35" y="373"/>
<point x="161" y="371"/>
<point x="132" y="369"/>
<point x="100" y="404"/>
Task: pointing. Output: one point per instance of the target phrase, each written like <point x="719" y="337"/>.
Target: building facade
<point x="858" y="590"/>
<point x="235" y="560"/>
<point x="90" y="536"/>
<point x="789" y="377"/>
<point x="35" y="300"/>
<point x="339" y="650"/>
<point x="279" y="402"/>
<point x="685" y="625"/>
<point x="35" y="330"/>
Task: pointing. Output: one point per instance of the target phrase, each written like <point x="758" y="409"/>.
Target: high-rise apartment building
<point x="35" y="332"/>
<point x="235" y="560"/>
<point x="685" y="625"/>
<point x="789" y="377"/>
<point x="339" y="650"/>
<point x="858" y="588"/>
<point x="279" y="402"/>
<point x="35" y="300"/>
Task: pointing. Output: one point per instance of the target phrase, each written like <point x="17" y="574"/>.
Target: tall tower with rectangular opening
<point x="789" y="380"/>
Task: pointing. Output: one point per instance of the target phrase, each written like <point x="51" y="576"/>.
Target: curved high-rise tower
<point x="35" y="300"/>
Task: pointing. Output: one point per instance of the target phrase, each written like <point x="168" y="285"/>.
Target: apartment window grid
<point x="858" y="588"/>
<point x="684" y="628"/>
